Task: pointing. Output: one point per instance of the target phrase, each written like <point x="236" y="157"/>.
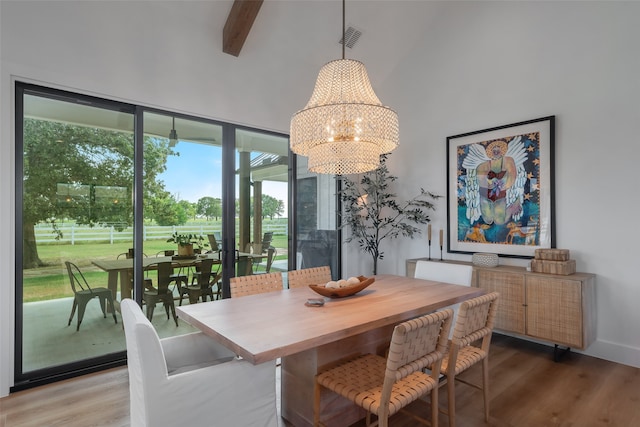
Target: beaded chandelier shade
<point x="344" y="128"/>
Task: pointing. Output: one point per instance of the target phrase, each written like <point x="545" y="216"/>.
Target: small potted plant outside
<point x="186" y="241"/>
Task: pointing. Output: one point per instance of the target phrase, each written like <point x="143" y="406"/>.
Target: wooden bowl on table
<point x="343" y="292"/>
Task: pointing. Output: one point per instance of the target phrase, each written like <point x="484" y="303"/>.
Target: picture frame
<point x="500" y="189"/>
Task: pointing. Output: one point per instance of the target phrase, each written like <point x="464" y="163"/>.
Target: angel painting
<point x="495" y="181"/>
<point x="499" y="189"/>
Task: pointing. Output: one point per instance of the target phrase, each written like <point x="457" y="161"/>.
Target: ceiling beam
<point x="238" y="25"/>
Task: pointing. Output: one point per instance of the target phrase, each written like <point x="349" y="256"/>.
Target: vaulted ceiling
<point x="281" y="46"/>
<point x="307" y="32"/>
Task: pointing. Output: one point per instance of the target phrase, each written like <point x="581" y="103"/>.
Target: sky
<point x="197" y="172"/>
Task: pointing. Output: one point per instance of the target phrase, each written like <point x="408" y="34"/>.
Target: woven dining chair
<point x="309" y="276"/>
<point x="470" y="345"/>
<point x="250" y="285"/>
<point x="383" y="386"/>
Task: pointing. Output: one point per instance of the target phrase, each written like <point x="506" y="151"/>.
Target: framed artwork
<point x="500" y="185"/>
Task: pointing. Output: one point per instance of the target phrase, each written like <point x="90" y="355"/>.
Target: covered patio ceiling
<point x="155" y="124"/>
<point x="269" y="167"/>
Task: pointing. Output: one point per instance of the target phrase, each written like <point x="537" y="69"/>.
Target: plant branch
<point x="373" y="214"/>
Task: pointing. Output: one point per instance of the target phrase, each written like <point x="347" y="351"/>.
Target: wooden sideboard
<point x="554" y="308"/>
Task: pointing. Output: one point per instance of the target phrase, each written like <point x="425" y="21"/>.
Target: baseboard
<point x="607" y="350"/>
<point x="614" y="352"/>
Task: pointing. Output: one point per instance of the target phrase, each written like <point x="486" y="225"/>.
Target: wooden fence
<point x="71" y="234"/>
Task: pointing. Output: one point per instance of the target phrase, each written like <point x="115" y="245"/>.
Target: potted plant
<point x="186" y="241"/>
<point x="373" y="214"/>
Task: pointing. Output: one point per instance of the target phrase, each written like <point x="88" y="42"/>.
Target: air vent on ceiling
<point x="351" y="36"/>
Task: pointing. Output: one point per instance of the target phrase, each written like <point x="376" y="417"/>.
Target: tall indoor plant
<point x="372" y="212"/>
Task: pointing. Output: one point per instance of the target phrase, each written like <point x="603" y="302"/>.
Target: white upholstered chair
<point x="457" y="274"/>
<point x="191" y="380"/>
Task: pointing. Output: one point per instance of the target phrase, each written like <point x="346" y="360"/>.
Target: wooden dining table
<point x="310" y="339"/>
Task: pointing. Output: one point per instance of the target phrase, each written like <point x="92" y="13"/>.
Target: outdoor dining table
<point x="309" y="339"/>
<point x="122" y="268"/>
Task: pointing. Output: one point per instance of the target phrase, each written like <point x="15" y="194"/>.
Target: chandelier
<point x="344" y="128"/>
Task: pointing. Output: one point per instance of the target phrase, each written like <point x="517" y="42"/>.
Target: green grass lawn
<point x="52" y="281"/>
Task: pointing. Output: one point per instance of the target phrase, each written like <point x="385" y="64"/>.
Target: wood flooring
<point x="528" y="389"/>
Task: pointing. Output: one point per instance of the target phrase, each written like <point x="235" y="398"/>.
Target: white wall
<point x="475" y="65"/>
<point x="490" y="64"/>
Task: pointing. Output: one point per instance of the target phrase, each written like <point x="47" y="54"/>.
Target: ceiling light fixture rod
<point x="173" y="135"/>
<point x="344" y="31"/>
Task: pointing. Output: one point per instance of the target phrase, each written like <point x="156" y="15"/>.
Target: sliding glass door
<point x="262" y="191"/>
<point x="75" y="208"/>
<point x="182" y="213"/>
<point x="104" y="190"/>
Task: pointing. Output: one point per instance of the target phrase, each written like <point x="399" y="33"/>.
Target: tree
<point x="84" y="174"/>
<point x="167" y="211"/>
<point x="188" y="210"/>
<point x="372" y="213"/>
<point x="209" y="207"/>
<point x="271" y="206"/>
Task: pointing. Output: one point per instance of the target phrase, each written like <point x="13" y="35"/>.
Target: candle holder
<point x="429" y="249"/>
<point x="441" y="253"/>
